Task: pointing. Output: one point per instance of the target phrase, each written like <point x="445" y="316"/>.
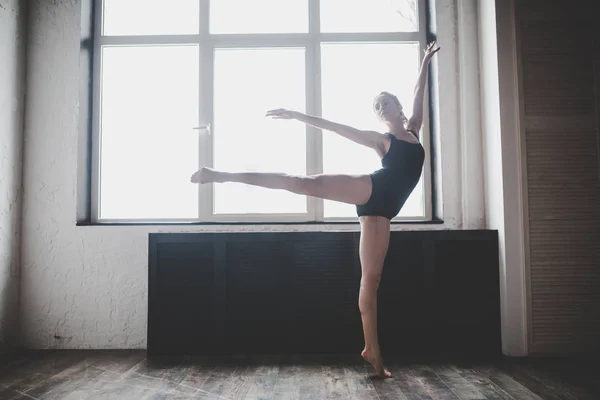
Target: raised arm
<point x="372" y="139"/>
<point x="415" y="122"/>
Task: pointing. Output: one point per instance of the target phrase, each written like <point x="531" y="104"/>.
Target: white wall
<point x="503" y="184"/>
<point x="86" y="287"/>
<point x="11" y="143"/>
<point x="471" y="156"/>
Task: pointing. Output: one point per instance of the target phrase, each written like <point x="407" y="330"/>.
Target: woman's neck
<point x="400" y="132"/>
<point x="396" y="127"/>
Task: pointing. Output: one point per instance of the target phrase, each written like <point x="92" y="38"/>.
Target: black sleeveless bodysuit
<point x="394" y="182"/>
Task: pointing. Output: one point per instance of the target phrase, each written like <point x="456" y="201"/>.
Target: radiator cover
<point x="297" y="292"/>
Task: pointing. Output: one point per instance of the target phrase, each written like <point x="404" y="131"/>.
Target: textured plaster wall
<point x="12" y="91"/>
<point x="86" y="287"/>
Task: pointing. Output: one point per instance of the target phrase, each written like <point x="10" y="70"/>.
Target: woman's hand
<point x="282" y="113"/>
<point x="430" y="51"/>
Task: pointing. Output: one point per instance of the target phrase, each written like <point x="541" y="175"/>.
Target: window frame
<point x="207" y="44"/>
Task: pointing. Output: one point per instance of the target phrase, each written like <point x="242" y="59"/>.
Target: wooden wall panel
<point x="558" y="44"/>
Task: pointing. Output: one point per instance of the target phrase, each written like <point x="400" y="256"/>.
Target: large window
<point x="184" y="84"/>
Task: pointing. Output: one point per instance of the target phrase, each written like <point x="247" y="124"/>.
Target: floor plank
<point x="434" y="386"/>
<point x="286" y="387"/>
<point x="484" y="385"/>
<point x="410" y="385"/>
<point x="125" y="375"/>
<point x="556" y="382"/>
<point x="359" y="383"/>
<point x="335" y="382"/>
<point x="531" y="382"/>
<point x="508" y="384"/>
<point x="388" y="389"/>
<point x="461" y="387"/>
<point x="311" y="382"/>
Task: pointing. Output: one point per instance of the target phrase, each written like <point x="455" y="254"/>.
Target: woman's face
<point x="386" y="108"/>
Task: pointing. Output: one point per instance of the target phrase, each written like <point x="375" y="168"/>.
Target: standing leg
<point x="352" y="189"/>
<point x="374" y="242"/>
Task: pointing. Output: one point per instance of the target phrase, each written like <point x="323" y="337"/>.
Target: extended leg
<point x="352" y="189"/>
<point x="374" y="242"/>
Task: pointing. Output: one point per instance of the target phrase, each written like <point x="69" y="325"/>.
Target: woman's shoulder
<point x="408" y="138"/>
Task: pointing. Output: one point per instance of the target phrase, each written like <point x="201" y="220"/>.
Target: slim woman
<point x="378" y="196"/>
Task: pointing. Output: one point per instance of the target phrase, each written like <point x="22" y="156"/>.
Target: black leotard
<point x="395" y="181"/>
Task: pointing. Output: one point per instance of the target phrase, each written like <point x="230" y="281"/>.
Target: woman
<point x="378" y="197"/>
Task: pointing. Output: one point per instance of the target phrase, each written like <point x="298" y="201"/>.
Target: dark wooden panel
<point x="265" y="293"/>
<point x="258" y="288"/>
<point x="185" y="315"/>
<point x="557" y="47"/>
<point x="404" y="303"/>
<point x="326" y="279"/>
<point x="466" y="292"/>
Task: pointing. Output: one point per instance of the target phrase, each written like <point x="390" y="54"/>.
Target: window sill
<point x="305" y="223"/>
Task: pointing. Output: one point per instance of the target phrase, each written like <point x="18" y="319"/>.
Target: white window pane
<point x="151" y="17"/>
<point x="369" y="16"/>
<point x="259" y="16"/>
<point x="248" y="82"/>
<point x="352" y="75"/>
<point x="148" y="148"/>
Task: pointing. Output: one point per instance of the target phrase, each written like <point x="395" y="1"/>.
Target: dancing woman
<point x="378" y="196"/>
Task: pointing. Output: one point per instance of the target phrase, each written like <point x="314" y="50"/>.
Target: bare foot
<point x="373" y="357"/>
<point x="204" y="175"/>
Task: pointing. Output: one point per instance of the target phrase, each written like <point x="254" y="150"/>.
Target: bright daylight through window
<point x="184" y="84"/>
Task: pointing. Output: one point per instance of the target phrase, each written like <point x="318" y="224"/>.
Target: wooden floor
<point x="125" y="375"/>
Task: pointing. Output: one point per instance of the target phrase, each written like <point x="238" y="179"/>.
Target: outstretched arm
<point x="415" y="122"/>
<point x="372" y="139"/>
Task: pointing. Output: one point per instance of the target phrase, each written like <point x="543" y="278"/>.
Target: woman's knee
<point x="370" y="280"/>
